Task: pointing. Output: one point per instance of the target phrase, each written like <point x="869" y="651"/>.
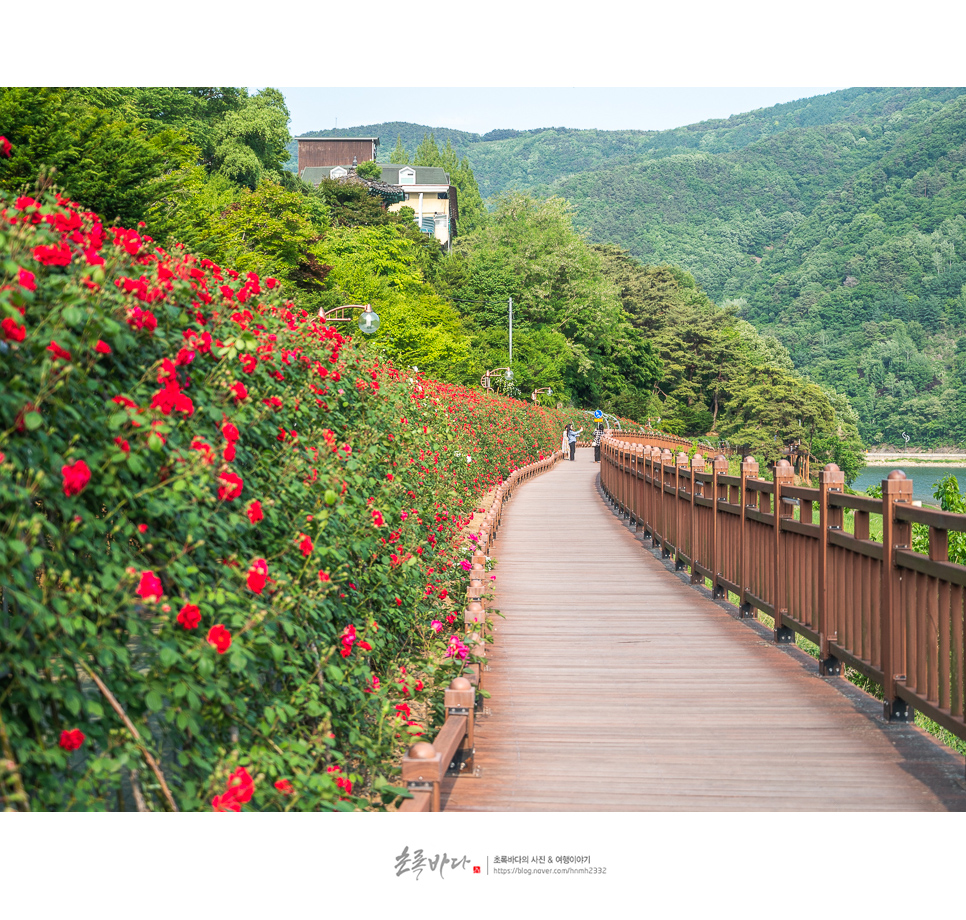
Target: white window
<point x="337" y="172"/>
<point x="407" y="176"/>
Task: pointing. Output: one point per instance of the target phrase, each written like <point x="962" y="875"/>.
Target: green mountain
<point x="835" y="223"/>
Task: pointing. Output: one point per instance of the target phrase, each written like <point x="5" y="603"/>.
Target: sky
<point x="482" y="109"/>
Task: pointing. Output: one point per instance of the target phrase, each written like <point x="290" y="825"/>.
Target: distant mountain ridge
<point x="836" y="223"/>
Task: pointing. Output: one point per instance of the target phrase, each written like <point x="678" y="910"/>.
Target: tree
<point x="250" y="142"/>
<point x="399" y="154"/>
<point x="369" y="169"/>
<point x="102" y="157"/>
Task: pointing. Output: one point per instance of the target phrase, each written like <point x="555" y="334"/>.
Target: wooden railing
<point x="451" y="753"/>
<point x="893" y="614"/>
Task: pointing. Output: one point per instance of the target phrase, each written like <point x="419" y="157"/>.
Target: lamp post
<point x="536" y="392"/>
<point x="368" y="321"/>
<point x="485" y="379"/>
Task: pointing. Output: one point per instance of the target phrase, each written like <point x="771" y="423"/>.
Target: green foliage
<point x="351" y="205"/>
<point x="105" y="158"/>
<point x="249" y="143"/>
<point x="720" y="376"/>
<point x="951" y="499"/>
<point x="186" y="454"/>
<point x="822" y="215"/>
<point x="399" y="154"/>
<point x="562" y="301"/>
<point x="369" y="169"/>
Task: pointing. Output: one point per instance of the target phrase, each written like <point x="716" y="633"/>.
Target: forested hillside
<point x="204" y="168"/>
<point x="833" y="223"/>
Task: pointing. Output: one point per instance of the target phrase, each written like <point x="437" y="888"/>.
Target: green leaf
<point x="73" y="316"/>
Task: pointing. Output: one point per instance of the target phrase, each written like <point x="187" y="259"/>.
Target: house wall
<point x="432" y="205"/>
<point x="334" y="152"/>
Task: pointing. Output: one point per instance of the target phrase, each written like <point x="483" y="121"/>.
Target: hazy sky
<point x="480" y="109"/>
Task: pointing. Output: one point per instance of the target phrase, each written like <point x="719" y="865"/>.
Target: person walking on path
<point x="572" y="438"/>
<point x="563" y="441"/>
<point x="598" y="434"/>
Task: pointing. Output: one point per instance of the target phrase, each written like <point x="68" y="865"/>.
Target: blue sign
<point x="598" y="413"/>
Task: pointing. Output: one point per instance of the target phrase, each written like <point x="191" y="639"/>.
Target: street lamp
<point x="485" y="379"/>
<point x="368" y="321"/>
<point x="546" y="390"/>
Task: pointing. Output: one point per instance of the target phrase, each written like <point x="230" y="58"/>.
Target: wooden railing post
<point x="680" y="462"/>
<point x="783" y="475"/>
<point x="895" y="535"/>
<point x="459" y="699"/>
<point x="749" y="470"/>
<point x="666" y="460"/>
<point x="422" y="771"/>
<point x="831" y="479"/>
<point x="719" y="467"/>
<point x="697" y="466"/>
<point x="639" y="487"/>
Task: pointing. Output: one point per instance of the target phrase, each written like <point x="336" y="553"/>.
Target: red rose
<point x="254" y="512"/>
<point x="225" y="802"/>
<point x="76" y="476"/>
<point x="377" y="518"/>
<point x="240" y="391"/>
<point x="230" y="432"/>
<point x="102" y="348"/>
<point x="241" y="785"/>
<point x="13" y="331"/>
<point x="150" y="587"/>
<point x="220" y="638"/>
<point x="323" y="576"/>
<point x="71" y="740"/>
<point x="231" y="486"/>
<point x="257" y="575"/>
<point x="123" y="444"/>
<point x="28" y="280"/>
<point x="59" y="353"/>
<point x="5" y="146"/>
<point x="306" y="545"/>
<point x="284" y="786"/>
<point x="190" y="616"/>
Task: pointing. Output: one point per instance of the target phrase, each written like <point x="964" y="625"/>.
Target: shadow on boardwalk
<point x="618" y="687"/>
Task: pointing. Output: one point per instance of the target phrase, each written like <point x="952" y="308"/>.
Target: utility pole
<point x="511" y="332"/>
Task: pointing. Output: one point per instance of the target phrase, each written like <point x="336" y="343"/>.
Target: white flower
<point x="469" y="459"/>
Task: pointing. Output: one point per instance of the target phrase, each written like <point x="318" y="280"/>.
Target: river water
<point x="923" y="478"/>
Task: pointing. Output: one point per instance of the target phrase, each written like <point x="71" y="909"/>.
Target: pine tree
<point x="427" y="153"/>
<point x="399" y="155"/>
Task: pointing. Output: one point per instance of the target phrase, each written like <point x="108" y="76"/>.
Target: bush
<point x="230" y="541"/>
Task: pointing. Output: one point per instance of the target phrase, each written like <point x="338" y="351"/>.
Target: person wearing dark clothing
<point x="598" y="434"/>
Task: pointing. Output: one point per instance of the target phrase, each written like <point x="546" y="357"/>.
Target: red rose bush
<point x="223" y="519"/>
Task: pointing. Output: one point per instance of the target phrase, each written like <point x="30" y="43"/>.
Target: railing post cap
<point x="459" y="683"/>
<point x="783" y="465"/>
<point x="750" y="459"/>
<point x="896" y="474"/>
<point x="422" y="750"/>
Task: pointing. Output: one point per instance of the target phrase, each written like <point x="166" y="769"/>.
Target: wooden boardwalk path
<point x="616" y="687"/>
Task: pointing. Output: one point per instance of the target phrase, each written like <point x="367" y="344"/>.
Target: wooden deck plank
<point x="616" y="687"/>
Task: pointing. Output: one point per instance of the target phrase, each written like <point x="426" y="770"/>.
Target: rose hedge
<point x="231" y="539"/>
